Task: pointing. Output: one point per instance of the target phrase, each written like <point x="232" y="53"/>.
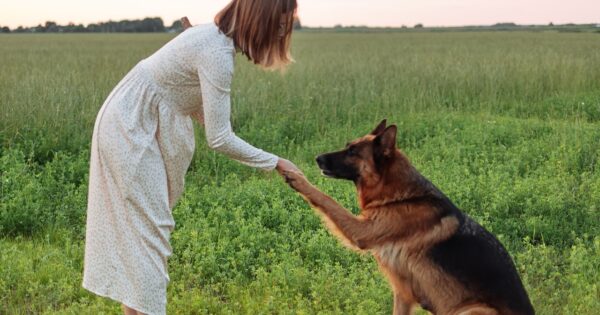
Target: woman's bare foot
<point x="130" y="311"/>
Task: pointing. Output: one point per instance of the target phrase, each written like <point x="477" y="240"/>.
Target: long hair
<point x="257" y="29"/>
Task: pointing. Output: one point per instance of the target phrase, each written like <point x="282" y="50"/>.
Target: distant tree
<point x="50" y="27"/>
<point x="94" y="28"/>
<point x="177" y="26"/>
<point x="5" y="29"/>
<point x="551" y="24"/>
<point x="505" y="24"/>
<point x="129" y="26"/>
<point x="419" y="25"/>
<point x="69" y="28"/>
<point x="72" y="28"/>
<point x="297" y="24"/>
<point x="338" y="26"/>
<point x="152" y="25"/>
<point x="403" y="26"/>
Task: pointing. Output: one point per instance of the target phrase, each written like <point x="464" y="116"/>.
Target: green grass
<point x="506" y="124"/>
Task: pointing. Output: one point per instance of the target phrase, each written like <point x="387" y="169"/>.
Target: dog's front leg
<point x="401" y="307"/>
<point x="352" y="230"/>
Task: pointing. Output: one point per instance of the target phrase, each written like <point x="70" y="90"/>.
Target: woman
<point x="143" y="143"/>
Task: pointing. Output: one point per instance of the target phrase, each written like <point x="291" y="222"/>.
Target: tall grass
<point x="506" y="124"/>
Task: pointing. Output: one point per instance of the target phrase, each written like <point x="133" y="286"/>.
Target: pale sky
<point x="312" y="12"/>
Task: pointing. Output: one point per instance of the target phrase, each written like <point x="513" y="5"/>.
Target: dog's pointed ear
<point x="386" y="141"/>
<point x="380" y="128"/>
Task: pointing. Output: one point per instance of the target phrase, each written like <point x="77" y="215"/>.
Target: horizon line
<point x="329" y="26"/>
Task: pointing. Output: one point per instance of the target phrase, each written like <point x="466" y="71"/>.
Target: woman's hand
<point x="284" y="166"/>
<point x="294" y="177"/>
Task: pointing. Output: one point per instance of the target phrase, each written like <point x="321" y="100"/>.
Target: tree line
<point x="147" y="25"/>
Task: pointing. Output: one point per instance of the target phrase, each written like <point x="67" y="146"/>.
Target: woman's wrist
<point x="279" y="164"/>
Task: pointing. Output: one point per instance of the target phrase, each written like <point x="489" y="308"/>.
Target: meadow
<point x="506" y="124"/>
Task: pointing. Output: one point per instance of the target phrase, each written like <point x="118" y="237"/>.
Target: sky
<point x="312" y="12"/>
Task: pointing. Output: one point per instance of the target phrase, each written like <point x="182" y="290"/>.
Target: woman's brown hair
<point x="257" y="28"/>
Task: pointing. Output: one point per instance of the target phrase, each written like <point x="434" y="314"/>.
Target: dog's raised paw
<point x="296" y="180"/>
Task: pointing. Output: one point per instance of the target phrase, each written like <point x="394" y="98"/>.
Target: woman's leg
<point x="130" y="311"/>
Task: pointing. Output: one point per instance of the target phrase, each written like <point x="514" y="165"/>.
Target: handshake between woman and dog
<point x="430" y="251"/>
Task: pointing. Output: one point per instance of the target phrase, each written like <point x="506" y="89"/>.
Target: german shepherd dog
<point x="431" y="253"/>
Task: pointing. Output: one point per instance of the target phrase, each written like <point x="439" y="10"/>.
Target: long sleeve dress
<point x="142" y="146"/>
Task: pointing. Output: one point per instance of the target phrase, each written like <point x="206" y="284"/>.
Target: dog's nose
<point x="320" y="160"/>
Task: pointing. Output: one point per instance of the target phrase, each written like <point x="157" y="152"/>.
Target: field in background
<point x="506" y="124"/>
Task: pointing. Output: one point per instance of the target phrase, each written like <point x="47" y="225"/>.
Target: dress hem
<point x="119" y="300"/>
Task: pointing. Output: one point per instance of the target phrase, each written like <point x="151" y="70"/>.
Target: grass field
<point x="506" y="124"/>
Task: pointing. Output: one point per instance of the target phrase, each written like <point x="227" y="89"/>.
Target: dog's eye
<point x="351" y="151"/>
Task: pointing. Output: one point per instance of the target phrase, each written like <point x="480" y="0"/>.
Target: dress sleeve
<point x="215" y="77"/>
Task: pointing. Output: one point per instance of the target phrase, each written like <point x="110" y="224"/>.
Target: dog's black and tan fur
<point x="432" y="253"/>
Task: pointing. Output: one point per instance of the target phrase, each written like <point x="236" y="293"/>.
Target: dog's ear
<point x="385" y="142"/>
<point x="380" y="128"/>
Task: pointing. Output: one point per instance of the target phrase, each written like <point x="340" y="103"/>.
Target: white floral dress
<point x="142" y="145"/>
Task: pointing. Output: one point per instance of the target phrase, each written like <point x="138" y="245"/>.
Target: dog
<point x="429" y="250"/>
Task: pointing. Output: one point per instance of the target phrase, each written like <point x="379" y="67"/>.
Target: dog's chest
<point x="396" y="262"/>
<point x="394" y="256"/>
<point x="400" y="265"/>
<point x="387" y="254"/>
